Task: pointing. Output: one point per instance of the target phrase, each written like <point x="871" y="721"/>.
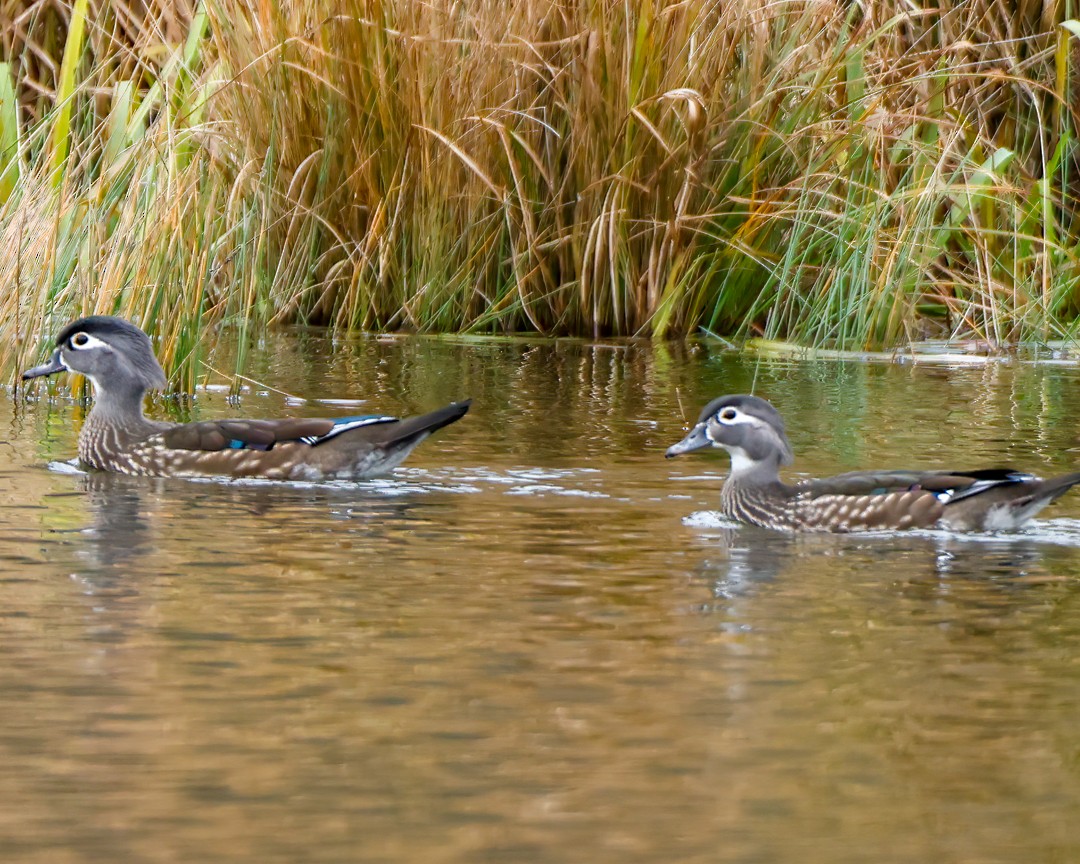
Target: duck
<point x="752" y="432"/>
<point x="118" y="359"/>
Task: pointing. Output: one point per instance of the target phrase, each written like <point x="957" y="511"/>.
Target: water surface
<point x="537" y="642"/>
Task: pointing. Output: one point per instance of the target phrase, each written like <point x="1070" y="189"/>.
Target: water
<point x="538" y="642"/>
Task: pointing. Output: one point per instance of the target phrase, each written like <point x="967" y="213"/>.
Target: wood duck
<point x="119" y="360"/>
<point x="752" y="432"/>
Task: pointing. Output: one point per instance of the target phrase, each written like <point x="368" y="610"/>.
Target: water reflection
<point x="528" y="645"/>
<point x="743" y="558"/>
<point x="119" y="532"/>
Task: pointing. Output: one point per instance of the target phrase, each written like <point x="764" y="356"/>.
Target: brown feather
<point x="211" y="435"/>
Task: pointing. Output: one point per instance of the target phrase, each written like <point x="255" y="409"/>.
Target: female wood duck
<point x="752" y="432"/>
<point x="118" y="359"/>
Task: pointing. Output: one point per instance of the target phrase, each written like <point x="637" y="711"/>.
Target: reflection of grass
<point x="805" y="171"/>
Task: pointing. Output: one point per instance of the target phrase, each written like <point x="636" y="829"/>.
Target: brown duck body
<point x="752" y="432"/>
<point x="118" y="359"/>
<point x="281" y="449"/>
<point x="985" y="500"/>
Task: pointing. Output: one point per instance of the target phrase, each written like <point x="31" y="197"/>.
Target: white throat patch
<point x="741" y="463"/>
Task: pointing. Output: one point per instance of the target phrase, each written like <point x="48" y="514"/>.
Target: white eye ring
<point x="728" y="415"/>
<point x="81" y="341"/>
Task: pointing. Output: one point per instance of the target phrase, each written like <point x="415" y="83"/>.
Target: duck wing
<point x="213" y="435"/>
<point x="946" y="486"/>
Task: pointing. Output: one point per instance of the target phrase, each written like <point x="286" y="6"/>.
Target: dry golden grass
<point x="810" y="170"/>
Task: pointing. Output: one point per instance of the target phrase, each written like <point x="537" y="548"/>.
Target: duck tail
<point x="412" y="429"/>
<point x="1055" y="487"/>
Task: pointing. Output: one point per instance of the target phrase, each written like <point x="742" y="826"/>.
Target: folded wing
<point x="212" y="435"/>
<point x="947" y="486"/>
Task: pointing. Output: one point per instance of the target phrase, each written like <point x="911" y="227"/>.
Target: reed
<point x="815" y="171"/>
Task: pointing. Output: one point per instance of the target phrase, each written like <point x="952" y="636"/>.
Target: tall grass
<point x="829" y="172"/>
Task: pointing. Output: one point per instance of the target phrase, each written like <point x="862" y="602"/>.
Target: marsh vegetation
<point x="838" y="174"/>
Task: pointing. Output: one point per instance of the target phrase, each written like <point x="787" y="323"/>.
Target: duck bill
<point x="696" y="439"/>
<point x="54" y="365"/>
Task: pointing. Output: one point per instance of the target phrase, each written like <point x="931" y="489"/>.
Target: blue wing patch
<point x="236" y="444"/>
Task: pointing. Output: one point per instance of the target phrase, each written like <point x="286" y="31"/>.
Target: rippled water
<point x="537" y="642"/>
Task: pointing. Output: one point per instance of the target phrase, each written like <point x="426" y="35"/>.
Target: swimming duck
<point x="752" y="432"/>
<point x="119" y="360"/>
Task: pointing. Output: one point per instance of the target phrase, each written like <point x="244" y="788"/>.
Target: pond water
<point x="536" y="642"/>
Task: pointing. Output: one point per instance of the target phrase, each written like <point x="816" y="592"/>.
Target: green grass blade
<point x="9" y="134"/>
<point x="116" y="139"/>
<point x="60" y="140"/>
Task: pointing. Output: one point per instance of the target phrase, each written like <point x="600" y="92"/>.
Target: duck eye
<point x="729" y="414"/>
<point x="80" y="340"/>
